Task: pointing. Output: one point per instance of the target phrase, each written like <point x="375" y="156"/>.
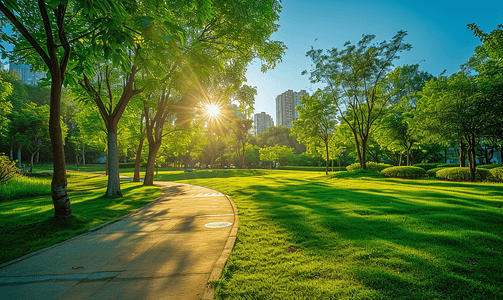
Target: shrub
<point x="371" y="166"/>
<point x="463" y="174"/>
<point x="497" y="173"/>
<point x="491" y="166"/>
<point x="404" y="172"/>
<point x="359" y="173"/>
<point x="126" y="165"/>
<point x="433" y="172"/>
<point x="447" y="165"/>
<point x="8" y="169"/>
<point x="427" y="166"/>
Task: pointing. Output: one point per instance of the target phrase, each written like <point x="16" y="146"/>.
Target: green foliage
<point x="491" y="166"/>
<point x="126" y="165"/>
<point x="357" y="173"/>
<point x="463" y="174"/>
<point x="426" y="166"/>
<point x="497" y="173"/>
<point x="8" y="169"/>
<point x="404" y="172"/>
<point x="305" y="168"/>
<point x="23" y="186"/>
<point x="371" y="166"/>
<point x="356" y="78"/>
<point x="447" y="165"/>
<point x="433" y="172"/>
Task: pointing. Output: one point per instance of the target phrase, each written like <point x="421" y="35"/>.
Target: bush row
<point x="429" y="166"/>
<point x="404" y="172"/>
<point x="491" y="166"/>
<point x="371" y="166"/>
<point x="306" y="168"/>
<point x="464" y="174"/>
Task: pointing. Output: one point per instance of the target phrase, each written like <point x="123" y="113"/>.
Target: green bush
<point x="371" y="166"/>
<point x="433" y="172"/>
<point x="447" y="165"/>
<point x="463" y="174"/>
<point x="497" y="173"/>
<point x="8" y="169"/>
<point x="427" y="166"/>
<point x="126" y="165"/>
<point x="359" y="173"/>
<point x="491" y="166"/>
<point x="307" y="168"/>
<point x="404" y="172"/>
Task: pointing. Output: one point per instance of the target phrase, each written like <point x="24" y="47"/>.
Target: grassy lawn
<point x="303" y="235"/>
<point x="26" y="222"/>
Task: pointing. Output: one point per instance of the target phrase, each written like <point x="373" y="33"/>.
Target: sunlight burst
<point x="212" y="110"/>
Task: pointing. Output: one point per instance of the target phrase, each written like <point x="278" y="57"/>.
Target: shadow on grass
<point x="27" y="225"/>
<point x="399" y="241"/>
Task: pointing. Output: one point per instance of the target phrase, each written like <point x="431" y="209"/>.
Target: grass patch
<point x="23" y="186"/>
<point x="27" y="224"/>
<point x="304" y="235"/>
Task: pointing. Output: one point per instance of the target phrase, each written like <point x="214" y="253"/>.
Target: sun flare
<point x="212" y="110"/>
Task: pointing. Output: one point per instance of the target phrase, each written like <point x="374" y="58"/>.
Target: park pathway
<point x="169" y="249"/>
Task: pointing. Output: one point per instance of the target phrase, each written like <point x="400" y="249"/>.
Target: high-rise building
<point x="25" y="74"/>
<point x="285" y="107"/>
<point x="262" y="121"/>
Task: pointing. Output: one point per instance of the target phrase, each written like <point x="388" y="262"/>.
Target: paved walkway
<point x="169" y="249"/>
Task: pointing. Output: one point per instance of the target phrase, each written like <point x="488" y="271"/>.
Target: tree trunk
<point x="363" y="162"/>
<point x="137" y="161"/>
<point x="19" y="164"/>
<point x="114" y="185"/>
<point x="149" y="172"/>
<point x="400" y="160"/>
<point x="60" y="199"/>
<point x="83" y="154"/>
<point x="461" y="154"/>
<point x="31" y="161"/>
<point x="471" y="155"/>
<point x="326" y="165"/>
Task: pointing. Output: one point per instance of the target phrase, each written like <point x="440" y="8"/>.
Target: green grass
<point x="26" y="224"/>
<point x="23" y="186"/>
<point x="303" y="235"/>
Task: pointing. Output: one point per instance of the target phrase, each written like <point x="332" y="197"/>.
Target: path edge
<point x="218" y="268"/>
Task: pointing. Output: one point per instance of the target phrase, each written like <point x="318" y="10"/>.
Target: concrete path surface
<point x="169" y="249"/>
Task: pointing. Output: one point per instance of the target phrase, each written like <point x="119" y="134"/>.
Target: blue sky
<point x="436" y="29"/>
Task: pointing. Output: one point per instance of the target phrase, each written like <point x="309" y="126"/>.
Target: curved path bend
<point x="171" y="248"/>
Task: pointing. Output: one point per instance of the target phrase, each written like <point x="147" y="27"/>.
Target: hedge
<point x="491" y="166"/>
<point x="426" y="166"/>
<point x="126" y="165"/>
<point x="307" y="168"/>
<point x="497" y="173"/>
<point x="463" y="174"/>
<point x="371" y="166"/>
<point x="404" y="172"/>
<point x="433" y="172"/>
<point x="447" y="165"/>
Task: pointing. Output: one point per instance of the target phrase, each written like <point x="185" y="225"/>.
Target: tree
<point x="240" y="130"/>
<point x="355" y="78"/>
<point x="51" y="30"/>
<point x="396" y="130"/>
<point x="317" y="120"/>
<point x="280" y="135"/>
<point x="457" y="105"/>
<point x="5" y="105"/>
<point x="269" y="154"/>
